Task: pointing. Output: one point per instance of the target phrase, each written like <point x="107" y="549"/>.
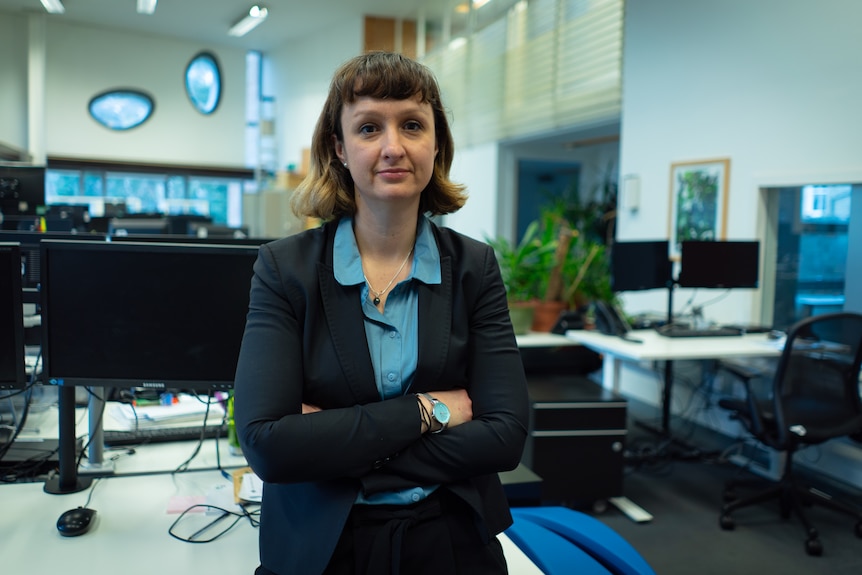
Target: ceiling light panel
<point x="256" y="15"/>
<point x="54" y="6"/>
<point x="147" y="6"/>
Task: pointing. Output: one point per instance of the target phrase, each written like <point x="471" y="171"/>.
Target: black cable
<point x="252" y="517"/>
<point x="184" y="466"/>
<point x="90" y="494"/>
<point x="28" y="391"/>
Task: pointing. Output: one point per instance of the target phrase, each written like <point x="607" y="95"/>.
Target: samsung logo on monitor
<point x="153" y="384"/>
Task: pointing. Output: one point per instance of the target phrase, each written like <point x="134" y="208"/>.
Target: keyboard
<point x="751" y="328"/>
<point x="679" y="331"/>
<point x="116" y="438"/>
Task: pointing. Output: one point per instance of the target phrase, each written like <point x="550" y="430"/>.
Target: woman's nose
<point x="392" y="144"/>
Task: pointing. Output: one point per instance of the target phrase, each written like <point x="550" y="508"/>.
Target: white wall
<point x="13" y="81"/>
<point x="773" y="85"/>
<point x="476" y="168"/>
<point x="303" y="70"/>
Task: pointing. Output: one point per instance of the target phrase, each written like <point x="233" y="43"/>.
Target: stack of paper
<point x="188" y="410"/>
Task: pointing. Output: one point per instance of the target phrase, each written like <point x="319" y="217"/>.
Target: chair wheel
<point x="727" y="523"/>
<point x="600" y="506"/>
<point x="814" y="547"/>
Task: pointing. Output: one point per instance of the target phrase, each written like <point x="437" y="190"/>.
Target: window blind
<point x="544" y="65"/>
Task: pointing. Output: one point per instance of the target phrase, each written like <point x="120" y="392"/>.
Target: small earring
<point x="345" y="164"/>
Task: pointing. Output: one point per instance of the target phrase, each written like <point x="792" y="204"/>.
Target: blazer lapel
<point x="435" y="320"/>
<point x="347" y="326"/>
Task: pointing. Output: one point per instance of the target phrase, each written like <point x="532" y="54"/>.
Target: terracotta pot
<point x="546" y="315"/>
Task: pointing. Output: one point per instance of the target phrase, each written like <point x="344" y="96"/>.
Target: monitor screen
<point x="640" y="265"/>
<point x="12" y="370"/>
<point x="722" y="264"/>
<point x="148" y="315"/>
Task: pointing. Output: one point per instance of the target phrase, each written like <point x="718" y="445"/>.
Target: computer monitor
<point x="144" y="315"/>
<point x="12" y="368"/>
<point x="138" y="225"/>
<point x="640" y="265"/>
<point x="30" y="254"/>
<point x="205" y="230"/>
<point x="178" y="239"/>
<point x="66" y="217"/>
<point x="719" y="264"/>
<point x="22" y="189"/>
<point x="181" y="224"/>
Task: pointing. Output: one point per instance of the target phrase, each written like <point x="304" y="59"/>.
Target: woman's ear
<point x="339" y="148"/>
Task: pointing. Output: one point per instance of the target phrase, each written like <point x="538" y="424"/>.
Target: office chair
<point x="604" y="545"/>
<point x="813" y="397"/>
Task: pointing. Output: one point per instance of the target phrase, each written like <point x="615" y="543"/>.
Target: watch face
<point x="441" y="413"/>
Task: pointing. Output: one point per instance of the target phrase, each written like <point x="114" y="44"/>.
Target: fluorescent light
<point x="147" y="6"/>
<point x="53" y="6"/>
<point x="256" y="15"/>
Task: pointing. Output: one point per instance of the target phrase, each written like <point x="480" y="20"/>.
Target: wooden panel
<point x="379" y="34"/>
<point x="408" y="38"/>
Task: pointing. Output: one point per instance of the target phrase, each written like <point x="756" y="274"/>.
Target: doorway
<point x="812" y="249"/>
<point x="539" y="183"/>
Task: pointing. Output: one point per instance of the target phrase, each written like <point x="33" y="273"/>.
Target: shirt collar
<point x="348" y="264"/>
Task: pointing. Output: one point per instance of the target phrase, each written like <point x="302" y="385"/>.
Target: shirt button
<point x="392" y="334"/>
<point x="415" y="497"/>
<point x="391" y="376"/>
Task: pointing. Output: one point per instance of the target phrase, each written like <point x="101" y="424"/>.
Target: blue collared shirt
<point x="393" y="340"/>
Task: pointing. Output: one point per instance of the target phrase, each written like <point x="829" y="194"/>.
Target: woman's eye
<point x="413" y="125"/>
<point x="366" y="129"/>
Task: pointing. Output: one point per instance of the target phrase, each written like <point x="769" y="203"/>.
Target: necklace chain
<point x="378" y="294"/>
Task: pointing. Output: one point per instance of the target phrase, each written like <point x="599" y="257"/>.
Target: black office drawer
<point x="577" y="439"/>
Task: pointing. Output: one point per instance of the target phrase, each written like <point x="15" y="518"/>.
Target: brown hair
<point x="327" y="191"/>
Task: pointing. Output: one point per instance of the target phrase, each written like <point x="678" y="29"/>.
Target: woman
<point x="379" y="388"/>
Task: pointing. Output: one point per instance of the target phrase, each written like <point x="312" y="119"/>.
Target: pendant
<point x="376" y="301"/>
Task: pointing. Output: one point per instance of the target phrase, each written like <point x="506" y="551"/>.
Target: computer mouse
<point x="76" y="521"/>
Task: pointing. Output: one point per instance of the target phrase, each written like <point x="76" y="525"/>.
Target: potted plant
<point x="580" y="267"/>
<point x="525" y="266"/>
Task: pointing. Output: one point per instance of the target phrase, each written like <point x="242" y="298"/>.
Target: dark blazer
<point x="305" y="342"/>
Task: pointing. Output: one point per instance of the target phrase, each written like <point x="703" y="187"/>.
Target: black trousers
<point x="437" y="536"/>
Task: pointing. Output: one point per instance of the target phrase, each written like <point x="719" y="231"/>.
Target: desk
<point x="655" y="347"/>
<point x="131" y="536"/>
<point x="543" y="339"/>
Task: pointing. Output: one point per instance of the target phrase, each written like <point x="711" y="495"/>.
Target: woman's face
<point x="389" y="147"/>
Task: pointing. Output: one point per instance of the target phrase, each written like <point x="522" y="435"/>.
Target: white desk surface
<point x="654" y="347"/>
<point x="131" y="536"/>
<point x="544" y="339"/>
<point x="659" y="347"/>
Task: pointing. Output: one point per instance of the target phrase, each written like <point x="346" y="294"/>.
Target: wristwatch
<point x="439" y="412"/>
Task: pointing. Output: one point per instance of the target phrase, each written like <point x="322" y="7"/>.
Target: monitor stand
<point x="67" y="480"/>
<point x="96" y="464"/>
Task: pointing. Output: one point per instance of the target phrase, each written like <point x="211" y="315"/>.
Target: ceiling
<point x="207" y="21"/>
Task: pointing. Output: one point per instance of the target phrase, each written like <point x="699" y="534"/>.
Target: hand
<point x="308" y="408"/>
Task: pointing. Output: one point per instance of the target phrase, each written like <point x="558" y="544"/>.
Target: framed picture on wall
<point x="698" y="201"/>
